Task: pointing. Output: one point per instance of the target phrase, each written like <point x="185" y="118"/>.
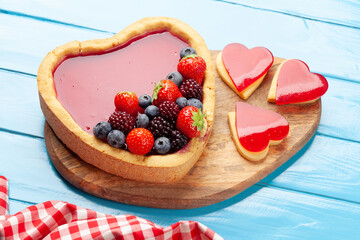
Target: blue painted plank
<point x="16" y="206"/>
<point x="344" y="12"/>
<point x="328" y="49"/>
<point x="19" y="104"/>
<point x="341" y="110"/>
<point x="326" y="166"/>
<point x="25" y="42"/>
<point x="258" y="213"/>
<point x="280" y="214"/>
<point x="19" y="98"/>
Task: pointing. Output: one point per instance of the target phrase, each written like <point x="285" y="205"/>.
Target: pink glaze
<point x="244" y="65"/>
<point x="256" y="126"/>
<point x="295" y="83"/>
<point x="86" y="85"/>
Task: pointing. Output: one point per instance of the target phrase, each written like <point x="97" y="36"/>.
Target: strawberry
<point x="165" y="90"/>
<point x="140" y="141"/>
<point x="190" y="121"/>
<point x="127" y="102"/>
<point x="192" y="67"/>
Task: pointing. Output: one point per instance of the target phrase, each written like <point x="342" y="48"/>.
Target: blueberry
<point x="176" y="77"/>
<point x="181" y="102"/>
<point x="162" y="145"/>
<point x="144" y="101"/>
<point x="101" y="130"/>
<point x="142" y="121"/>
<point x="116" y="138"/>
<point x="195" y="102"/>
<point x="152" y="111"/>
<point x="187" y="51"/>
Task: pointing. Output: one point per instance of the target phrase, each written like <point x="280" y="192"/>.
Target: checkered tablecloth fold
<point x="62" y="220"/>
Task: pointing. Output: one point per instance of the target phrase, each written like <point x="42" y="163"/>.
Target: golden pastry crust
<point x="244" y="94"/>
<point x="154" y="168"/>
<point x="273" y="86"/>
<point x="251" y="156"/>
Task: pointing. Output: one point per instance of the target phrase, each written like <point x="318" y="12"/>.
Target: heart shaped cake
<point x="253" y="129"/>
<point x="293" y="83"/>
<point x="243" y="69"/>
<point x="78" y="81"/>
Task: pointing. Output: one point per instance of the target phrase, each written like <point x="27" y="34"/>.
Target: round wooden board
<point x="219" y="174"/>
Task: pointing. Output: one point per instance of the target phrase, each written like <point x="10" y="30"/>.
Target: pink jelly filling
<point x="297" y="84"/>
<point x="86" y="85"/>
<point x="256" y="126"/>
<point x="244" y="65"/>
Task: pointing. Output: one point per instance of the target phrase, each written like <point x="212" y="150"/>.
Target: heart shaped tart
<point x="253" y="129"/>
<point x="243" y="69"/>
<point x="78" y="81"/>
<point x="294" y="83"/>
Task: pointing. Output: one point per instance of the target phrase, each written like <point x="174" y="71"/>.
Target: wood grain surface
<point x="219" y="174"/>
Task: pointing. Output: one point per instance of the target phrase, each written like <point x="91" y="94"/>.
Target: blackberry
<point x="169" y="110"/>
<point x="178" y="140"/>
<point x="191" y="89"/>
<point x="122" y="121"/>
<point x="159" y="127"/>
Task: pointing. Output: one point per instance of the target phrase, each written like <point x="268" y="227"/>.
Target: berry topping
<point x="152" y="111"/>
<point x="169" y="110"/>
<point x="162" y="145"/>
<point x="140" y="141"/>
<point x="116" y="138"/>
<point x="187" y="51"/>
<point x="144" y="101"/>
<point x="159" y="127"/>
<point x="192" y="66"/>
<point x="127" y="102"/>
<point x="190" y="121"/>
<point x="195" y="102"/>
<point x="178" y="140"/>
<point x="101" y="130"/>
<point x="175" y="77"/>
<point x="181" y="102"/>
<point x="191" y="89"/>
<point x="142" y="121"/>
<point x="165" y="90"/>
<point x="122" y="121"/>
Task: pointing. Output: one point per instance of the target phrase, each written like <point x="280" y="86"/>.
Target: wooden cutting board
<point x="219" y="174"/>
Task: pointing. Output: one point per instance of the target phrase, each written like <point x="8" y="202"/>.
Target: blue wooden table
<point x="315" y="195"/>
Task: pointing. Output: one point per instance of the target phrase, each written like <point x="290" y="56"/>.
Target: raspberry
<point x="169" y="110"/>
<point x="191" y="89"/>
<point x="122" y="121"/>
<point x="159" y="127"/>
<point x="178" y="140"/>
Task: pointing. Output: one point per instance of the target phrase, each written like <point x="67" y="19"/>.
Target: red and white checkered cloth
<point x="61" y="220"/>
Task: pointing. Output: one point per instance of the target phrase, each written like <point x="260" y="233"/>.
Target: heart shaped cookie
<point x="294" y="83"/>
<point x="243" y="69"/>
<point x="253" y="129"/>
<point x="77" y="83"/>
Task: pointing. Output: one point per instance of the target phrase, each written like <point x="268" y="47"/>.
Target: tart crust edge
<point x="155" y="168"/>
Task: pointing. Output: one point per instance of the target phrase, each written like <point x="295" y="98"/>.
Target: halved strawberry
<point x="192" y="67"/>
<point x="190" y="121"/>
<point x="165" y="90"/>
<point x="127" y="102"/>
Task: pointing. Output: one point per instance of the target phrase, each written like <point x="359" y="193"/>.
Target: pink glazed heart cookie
<point x="253" y="129"/>
<point x="294" y="83"/>
<point x="243" y="69"/>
